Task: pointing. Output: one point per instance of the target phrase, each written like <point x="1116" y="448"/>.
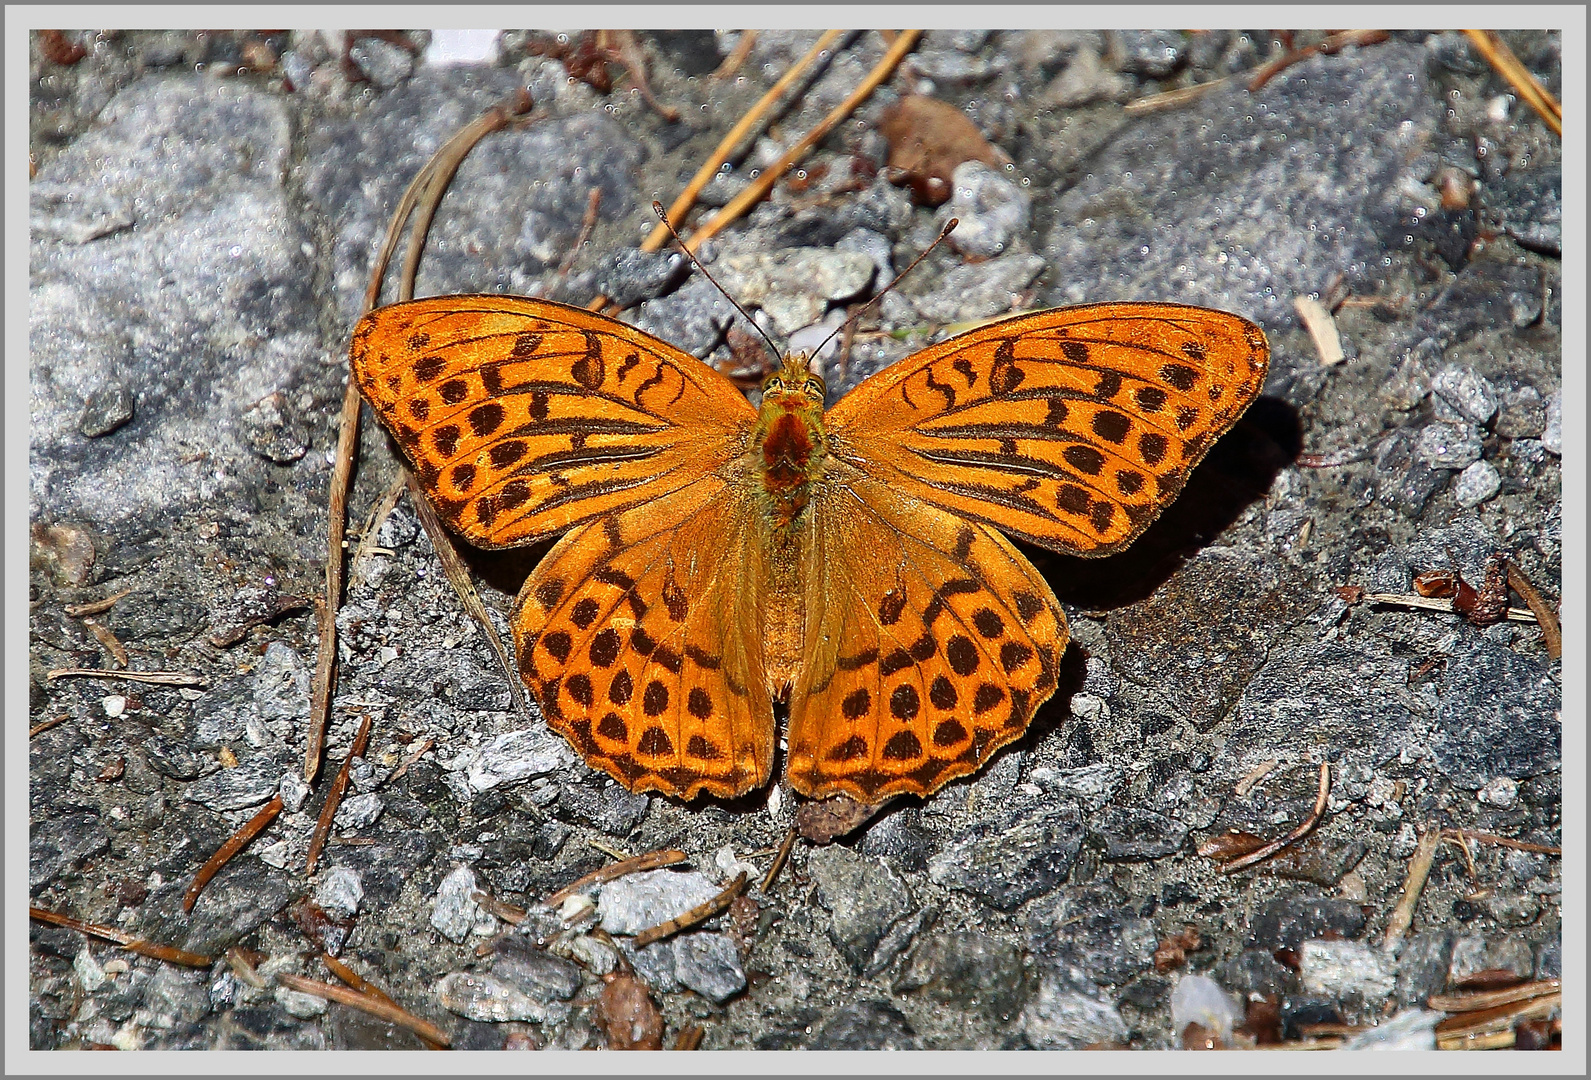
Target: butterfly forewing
<point x="930" y="642"/>
<point x="525" y="417"/>
<point x="639" y="634"/>
<point x="1070" y="428"/>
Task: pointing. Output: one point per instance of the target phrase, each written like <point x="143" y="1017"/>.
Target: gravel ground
<point x="200" y="240"/>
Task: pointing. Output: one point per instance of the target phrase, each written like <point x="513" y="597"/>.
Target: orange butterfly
<point x="718" y="558"/>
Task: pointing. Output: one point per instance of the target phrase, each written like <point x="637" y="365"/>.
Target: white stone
<point x="1501" y="792"/>
<point x="1478" y="482"/>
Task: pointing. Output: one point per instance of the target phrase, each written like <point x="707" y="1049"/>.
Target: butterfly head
<point x="795" y="384"/>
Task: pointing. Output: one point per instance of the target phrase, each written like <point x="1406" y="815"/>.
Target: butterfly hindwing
<point x="639" y="635"/>
<point x="1070" y="428"/>
<point x="930" y="642"/>
<point x="525" y="417"/>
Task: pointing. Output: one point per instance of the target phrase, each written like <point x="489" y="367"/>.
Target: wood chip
<point x="1322" y="329"/>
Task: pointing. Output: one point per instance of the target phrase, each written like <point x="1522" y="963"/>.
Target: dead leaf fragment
<point x="927" y="140"/>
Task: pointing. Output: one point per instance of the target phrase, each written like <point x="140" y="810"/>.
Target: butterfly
<point x="854" y="562"/>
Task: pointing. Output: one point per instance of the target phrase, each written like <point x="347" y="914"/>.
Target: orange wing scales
<point x="931" y="643"/>
<point x="523" y="417"/>
<point x="637" y="635"/>
<point x="1070" y="428"/>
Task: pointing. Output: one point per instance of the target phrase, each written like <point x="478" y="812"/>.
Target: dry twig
<point x="695" y="915"/>
<point x="781" y="858"/>
<point x="94" y="607"/>
<point x="381" y="1007"/>
<point x="234" y="844"/>
<point x="333" y="797"/>
<point x="1501" y="57"/>
<point x="1551" y="634"/>
<point x="1319" y="811"/>
<point x="125" y="940"/>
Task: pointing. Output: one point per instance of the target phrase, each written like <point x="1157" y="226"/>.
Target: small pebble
<point x="1200" y="1000"/>
<point x="304" y="1006"/>
<point x="1501" y="792"/>
<point x="990" y="207"/>
<point x="114" y="705"/>
<point x="455" y="912"/>
<point x="486" y="999"/>
<point x="1412" y="1029"/>
<point x="1552" y="435"/>
<point x="105" y="410"/>
<point x="360" y="811"/>
<point x="1470" y="394"/>
<point x="340" y="891"/>
<point x="634" y="903"/>
<point x="293" y="790"/>
<point x="1448" y="446"/>
<point x="1478" y="482"/>
<point x="1334" y="968"/>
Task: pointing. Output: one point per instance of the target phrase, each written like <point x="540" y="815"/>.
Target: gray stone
<point x="1471" y="395"/>
<point x="1448" y="446"/>
<point x="383" y="63"/>
<point x="967" y="970"/>
<point x="795" y="286"/>
<point x="535" y="972"/>
<point x="1065" y="1012"/>
<point x="461" y="676"/>
<point x="360" y="811"/>
<point x="1475" y="953"/>
<point x="1256" y="971"/>
<point x="1497" y="715"/>
<point x="709" y="965"/>
<point x="991" y="210"/>
<point x="105" y="410"/>
<point x="1014" y="856"/>
<point x="865" y="1025"/>
<point x="1423" y="961"/>
<point x="631" y="275"/>
<point x="246" y="784"/>
<point x="519" y="755"/>
<point x="63" y="844"/>
<point x="340" y="891"/>
<point x="608" y="807"/>
<point x="272" y="429"/>
<point x="980" y="290"/>
<point x="1339" y="968"/>
<point x="1153" y="54"/>
<point x="1133" y="833"/>
<point x="863" y="896"/>
<point x="455" y="911"/>
<point x="638" y="901"/>
<point x="243" y="895"/>
<point x="1092" y="926"/>
<point x="486" y="999"/>
<point x="174" y="996"/>
<point x="1092" y="786"/>
<point x="1288" y="922"/>
<point x="1477" y="483"/>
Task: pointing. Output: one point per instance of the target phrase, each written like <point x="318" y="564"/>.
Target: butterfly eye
<point x="814" y="387"/>
<point x="772" y="384"/>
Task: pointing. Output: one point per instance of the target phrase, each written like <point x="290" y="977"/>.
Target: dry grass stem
<point x="1551" y="633"/>
<point x="780" y="859"/>
<point x="1501" y="57"/>
<point x="117" y="650"/>
<point x="155" y="678"/>
<point x="1402" y="916"/>
<point x="764" y="182"/>
<point x="94" y="607"/>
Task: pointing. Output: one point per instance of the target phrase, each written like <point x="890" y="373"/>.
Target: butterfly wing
<point x="1070" y="428"/>
<point x="526" y="417"/>
<point x="930" y="642"/>
<point x="639" y="634"/>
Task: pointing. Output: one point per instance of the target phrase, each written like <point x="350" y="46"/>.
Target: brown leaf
<point x="927" y="140"/>
<point x="628" y="1016"/>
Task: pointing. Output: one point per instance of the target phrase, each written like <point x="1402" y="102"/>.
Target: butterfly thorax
<point x="788" y="441"/>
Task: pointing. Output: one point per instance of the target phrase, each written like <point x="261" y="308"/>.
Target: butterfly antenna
<point x="859" y="312"/>
<point x="662" y="214"/>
